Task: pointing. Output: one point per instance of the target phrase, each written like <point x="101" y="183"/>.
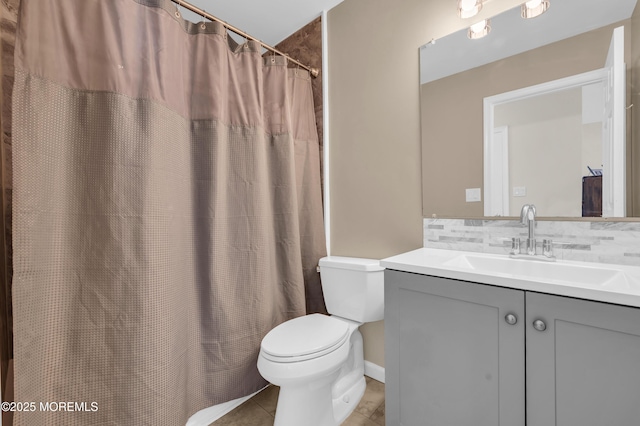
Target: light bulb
<point x="469" y="8"/>
<point x="534" y="8"/>
<point x="467" y="5"/>
<point x="479" y="29"/>
<point x="479" y="26"/>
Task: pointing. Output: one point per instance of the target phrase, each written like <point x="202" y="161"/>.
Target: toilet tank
<point x="353" y="287"/>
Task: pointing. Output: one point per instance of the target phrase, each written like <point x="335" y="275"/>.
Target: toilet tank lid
<point x="353" y="263"/>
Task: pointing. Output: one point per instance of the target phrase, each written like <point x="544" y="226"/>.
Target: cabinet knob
<point x="539" y="325"/>
<point x="511" y="319"/>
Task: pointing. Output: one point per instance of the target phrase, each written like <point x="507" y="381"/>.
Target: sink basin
<point x="600" y="282"/>
<point x="541" y="270"/>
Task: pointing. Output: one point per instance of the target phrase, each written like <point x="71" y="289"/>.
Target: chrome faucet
<point x="528" y="217"/>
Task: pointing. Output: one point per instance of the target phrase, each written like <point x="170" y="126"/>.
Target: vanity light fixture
<point x="469" y="8"/>
<point x="479" y="29"/>
<point x="533" y="8"/>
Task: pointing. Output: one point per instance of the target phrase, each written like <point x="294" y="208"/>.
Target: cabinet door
<point x="584" y="368"/>
<point x="451" y="358"/>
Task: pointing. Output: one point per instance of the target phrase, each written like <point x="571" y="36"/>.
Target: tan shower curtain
<point x="167" y="210"/>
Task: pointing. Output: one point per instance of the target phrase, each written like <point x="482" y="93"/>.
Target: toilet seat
<point x="304" y="338"/>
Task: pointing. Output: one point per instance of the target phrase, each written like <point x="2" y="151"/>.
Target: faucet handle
<point x="547" y="248"/>
<point x="515" y="245"/>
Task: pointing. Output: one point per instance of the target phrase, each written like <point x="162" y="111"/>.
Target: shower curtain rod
<point x="313" y="71"/>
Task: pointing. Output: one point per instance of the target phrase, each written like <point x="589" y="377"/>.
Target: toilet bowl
<point x="317" y="360"/>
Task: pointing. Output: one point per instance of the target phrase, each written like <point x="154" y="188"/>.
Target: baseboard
<point x="374" y="371"/>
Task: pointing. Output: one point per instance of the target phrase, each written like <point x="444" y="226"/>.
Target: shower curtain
<point x="167" y="211"/>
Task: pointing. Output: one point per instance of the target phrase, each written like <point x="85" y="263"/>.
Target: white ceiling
<point x="510" y="34"/>
<point x="270" y="21"/>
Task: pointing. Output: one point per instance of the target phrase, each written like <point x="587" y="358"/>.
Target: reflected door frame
<point x="494" y="189"/>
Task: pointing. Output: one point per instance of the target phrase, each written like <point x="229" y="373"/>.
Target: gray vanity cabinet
<point x="450" y="357"/>
<point x="584" y="368"/>
<point x="454" y="359"/>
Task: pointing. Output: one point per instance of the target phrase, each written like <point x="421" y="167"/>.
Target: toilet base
<point x="344" y="405"/>
<point x="308" y="404"/>
<point x="312" y="405"/>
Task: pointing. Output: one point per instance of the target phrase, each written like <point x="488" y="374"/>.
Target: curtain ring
<point x="203" y="26"/>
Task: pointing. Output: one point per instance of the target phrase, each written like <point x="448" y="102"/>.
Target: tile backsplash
<point x="601" y="242"/>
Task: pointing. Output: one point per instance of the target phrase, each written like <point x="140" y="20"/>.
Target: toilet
<point x="316" y="359"/>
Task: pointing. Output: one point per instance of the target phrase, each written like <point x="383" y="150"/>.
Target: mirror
<point x="462" y="161"/>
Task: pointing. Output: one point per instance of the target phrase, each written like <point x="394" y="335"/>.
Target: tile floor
<point x="260" y="410"/>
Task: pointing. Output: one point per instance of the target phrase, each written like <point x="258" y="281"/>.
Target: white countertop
<point x="610" y="283"/>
